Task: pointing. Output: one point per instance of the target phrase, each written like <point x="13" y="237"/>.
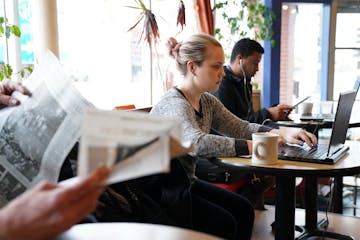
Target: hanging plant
<point x="181" y="15"/>
<point x="253" y="19"/>
<point x="150" y="28"/>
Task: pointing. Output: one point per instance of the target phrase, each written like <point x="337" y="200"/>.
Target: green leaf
<point x="133" y="7"/>
<point x="272" y="41"/>
<point x="141" y="3"/>
<point x="255" y="85"/>
<point x="1" y="75"/>
<point x="15" y="30"/>
<point x="29" y="69"/>
<point x="262" y="35"/>
<point x="7" y="71"/>
<point x="219" y="5"/>
<point x="241" y="14"/>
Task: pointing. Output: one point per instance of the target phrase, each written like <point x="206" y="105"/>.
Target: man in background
<point x="235" y="90"/>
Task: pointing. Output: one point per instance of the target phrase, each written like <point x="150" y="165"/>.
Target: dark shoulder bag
<point x="210" y="172"/>
<point x="160" y="198"/>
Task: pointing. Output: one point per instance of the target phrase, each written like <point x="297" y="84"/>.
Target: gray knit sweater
<point x="197" y="125"/>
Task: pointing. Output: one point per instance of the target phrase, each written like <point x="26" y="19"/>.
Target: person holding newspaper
<point x="46" y="210"/>
<point x="200" y="60"/>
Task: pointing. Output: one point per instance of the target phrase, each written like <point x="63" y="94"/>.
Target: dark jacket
<point x="235" y="98"/>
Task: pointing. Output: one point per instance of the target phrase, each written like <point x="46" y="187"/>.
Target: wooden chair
<point x="125" y="107"/>
<point x="133" y="108"/>
<point x="234" y="186"/>
<point x="145" y="109"/>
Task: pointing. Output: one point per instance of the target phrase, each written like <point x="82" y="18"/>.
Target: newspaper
<point x="37" y="135"/>
<point x="132" y="144"/>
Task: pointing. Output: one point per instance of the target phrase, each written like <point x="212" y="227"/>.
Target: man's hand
<point x="47" y="210"/>
<point x="280" y="112"/>
<point x="6" y="89"/>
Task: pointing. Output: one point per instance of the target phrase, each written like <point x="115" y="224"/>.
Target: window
<point x="18" y="52"/>
<point x="25" y="19"/>
<point x="347" y="52"/>
<point x="110" y="65"/>
<point x="301" y="52"/>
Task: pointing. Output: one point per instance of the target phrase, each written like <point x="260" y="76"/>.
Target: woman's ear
<point x="191" y="67"/>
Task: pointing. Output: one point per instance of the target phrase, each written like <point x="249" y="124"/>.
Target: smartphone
<point x="303" y="100"/>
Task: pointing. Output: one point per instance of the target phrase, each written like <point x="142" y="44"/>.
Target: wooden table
<point x="285" y="173"/>
<point x="314" y="127"/>
<point x="130" y="231"/>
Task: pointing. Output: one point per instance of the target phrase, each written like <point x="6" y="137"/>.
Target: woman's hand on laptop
<point x="295" y="136"/>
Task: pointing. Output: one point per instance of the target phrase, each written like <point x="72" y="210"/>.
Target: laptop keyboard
<point x="304" y="152"/>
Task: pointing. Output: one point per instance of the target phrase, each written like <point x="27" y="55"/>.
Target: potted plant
<point x="247" y="18"/>
<point x="7" y="29"/>
<point x="151" y="34"/>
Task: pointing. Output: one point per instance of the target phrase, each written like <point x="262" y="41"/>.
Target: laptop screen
<point x="342" y="118"/>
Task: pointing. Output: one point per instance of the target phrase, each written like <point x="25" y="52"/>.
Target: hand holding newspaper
<point x="37" y="135"/>
<point x="131" y="144"/>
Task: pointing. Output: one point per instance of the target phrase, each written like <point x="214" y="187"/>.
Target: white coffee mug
<point x="306" y="108"/>
<point x="265" y="148"/>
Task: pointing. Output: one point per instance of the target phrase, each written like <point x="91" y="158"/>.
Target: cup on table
<point x="265" y="148"/>
<point x="335" y="104"/>
<point x="326" y="107"/>
<point x="306" y="108"/>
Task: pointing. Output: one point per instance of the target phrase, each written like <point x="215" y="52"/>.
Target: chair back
<point x="125" y="107"/>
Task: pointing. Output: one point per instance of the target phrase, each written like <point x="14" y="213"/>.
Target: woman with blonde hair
<point x="200" y="60"/>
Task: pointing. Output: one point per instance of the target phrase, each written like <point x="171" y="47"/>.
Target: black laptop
<point x="326" y="117"/>
<point x="325" y="153"/>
